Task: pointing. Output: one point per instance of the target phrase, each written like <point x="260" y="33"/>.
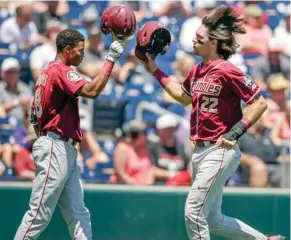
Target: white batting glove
<point x="115" y="50"/>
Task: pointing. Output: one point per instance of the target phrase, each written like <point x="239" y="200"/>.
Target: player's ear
<point x="214" y="43"/>
<point x="67" y="49"/>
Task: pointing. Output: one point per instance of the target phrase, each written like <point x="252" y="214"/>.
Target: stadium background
<point x="127" y="212"/>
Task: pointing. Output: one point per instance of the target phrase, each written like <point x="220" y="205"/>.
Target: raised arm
<point x="95" y="87"/>
<point x="174" y="89"/>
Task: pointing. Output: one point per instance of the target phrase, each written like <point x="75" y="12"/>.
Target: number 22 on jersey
<point x="209" y="104"/>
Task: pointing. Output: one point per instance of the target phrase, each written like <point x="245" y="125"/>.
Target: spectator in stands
<point x="171" y="13"/>
<point x="15" y="95"/>
<point x="89" y="18"/>
<point x="189" y="27"/>
<point x="171" y="8"/>
<point x="7" y="154"/>
<point x="24" y="137"/>
<point x="19" y="29"/>
<point x="94" y="55"/>
<point x="181" y="67"/>
<point x="2" y="169"/>
<point x="7" y="148"/>
<point x="24" y="134"/>
<point x="52" y="16"/>
<point x="258" y="33"/>
<point x="131" y="160"/>
<point x="280" y="133"/>
<point x="44" y="53"/>
<point x="278" y="87"/>
<point x="282" y="34"/>
<point x="257" y="150"/>
<point x="89" y="145"/>
<point x="132" y="71"/>
<point x="274" y="62"/>
<point x="169" y="158"/>
<point x="24" y="165"/>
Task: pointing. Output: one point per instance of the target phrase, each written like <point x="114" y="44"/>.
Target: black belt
<point x="201" y="143"/>
<point x="60" y="137"/>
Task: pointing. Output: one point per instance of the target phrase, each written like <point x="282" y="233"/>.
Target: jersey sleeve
<point x="242" y="85"/>
<point x="186" y="85"/>
<point x="70" y="81"/>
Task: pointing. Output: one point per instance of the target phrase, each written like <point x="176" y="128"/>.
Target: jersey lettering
<point x="37" y="102"/>
<point x="206" y="88"/>
<point x="41" y="81"/>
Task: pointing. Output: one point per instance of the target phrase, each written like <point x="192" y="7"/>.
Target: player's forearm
<point x="255" y="109"/>
<point x="173" y="89"/>
<point x="96" y="86"/>
<point x="253" y="112"/>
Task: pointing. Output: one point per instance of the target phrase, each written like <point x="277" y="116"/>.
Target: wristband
<point x="107" y="67"/>
<point x="236" y="131"/>
<point x="163" y="79"/>
<point x="246" y="122"/>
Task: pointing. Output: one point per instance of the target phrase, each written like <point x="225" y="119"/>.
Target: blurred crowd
<point x="135" y="133"/>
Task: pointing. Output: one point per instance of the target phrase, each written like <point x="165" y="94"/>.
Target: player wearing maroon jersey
<point x="55" y="117"/>
<point x="215" y="89"/>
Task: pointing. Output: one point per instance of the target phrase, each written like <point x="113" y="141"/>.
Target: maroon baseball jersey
<point x="217" y="90"/>
<point x="55" y="103"/>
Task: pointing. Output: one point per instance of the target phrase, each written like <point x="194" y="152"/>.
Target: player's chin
<point x="195" y="51"/>
<point x="77" y="63"/>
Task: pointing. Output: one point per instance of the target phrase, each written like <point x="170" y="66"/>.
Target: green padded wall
<point x="148" y="213"/>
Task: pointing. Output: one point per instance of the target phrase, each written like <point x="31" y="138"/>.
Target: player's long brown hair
<point x="222" y="24"/>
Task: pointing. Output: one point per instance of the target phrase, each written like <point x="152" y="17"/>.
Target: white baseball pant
<point x="57" y="181"/>
<point x="211" y="168"/>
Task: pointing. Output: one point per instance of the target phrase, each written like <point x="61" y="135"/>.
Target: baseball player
<point x="55" y="117"/>
<point x="215" y="89"/>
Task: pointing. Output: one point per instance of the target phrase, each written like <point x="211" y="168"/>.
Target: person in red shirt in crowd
<point x="132" y="164"/>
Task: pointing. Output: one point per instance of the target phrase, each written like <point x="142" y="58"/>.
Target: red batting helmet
<point x="153" y="38"/>
<point x="120" y="20"/>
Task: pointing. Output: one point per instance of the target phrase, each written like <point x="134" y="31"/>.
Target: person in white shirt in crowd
<point x="171" y="14"/>
<point x="44" y="53"/>
<point x="19" y="29"/>
<point x="171" y="8"/>
<point x="15" y="95"/>
<point x="189" y="27"/>
<point x="89" y="18"/>
<point x="282" y="34"/>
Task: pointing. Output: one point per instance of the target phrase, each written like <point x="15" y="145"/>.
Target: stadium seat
<point x="108" y="116"/>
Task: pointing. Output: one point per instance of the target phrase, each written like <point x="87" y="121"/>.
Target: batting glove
<point x="115" y="50"/>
